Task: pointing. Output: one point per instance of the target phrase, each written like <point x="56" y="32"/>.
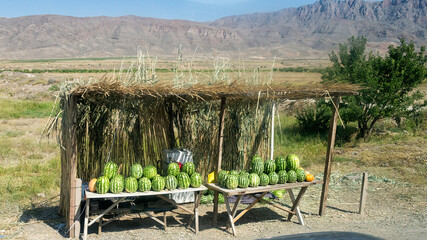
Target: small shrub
<point x="314" y="119"/>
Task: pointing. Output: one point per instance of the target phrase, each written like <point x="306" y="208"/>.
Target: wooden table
<point x="122" y="196"/>
<point x="262" y="190"/>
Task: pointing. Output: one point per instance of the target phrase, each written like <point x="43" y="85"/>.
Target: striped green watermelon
<point x="292" y="162"/>
<point x="150" y="172"/>
<point x="117" y="184"/>
<point x="131" y="184"/>
<point x="300" y="175"/>
<point x="196" y="180"/>
<point x="158" y="183"/>
<point x="256" y="158"/>
<point x="232" y="182"/>
<point x="102" y="185"/>
<point x="183" y="180"/>
<point x="110" y="170"/>
<point x="280" y="163"/>
<point x="243" y="181"/>
<point x="173" y="169"/>
<point x="244" y="172"/>
<point x="136" y="171"/>
<point x="171" y="183"/>
<point x="144" y="184"/>
<point x="283" y="176"/>
<point x="264" y="180"/>
<point x="222" y="177"/>
<point x="292" y="176"/>
<point x="254" y="180"/>
<point x="257" y="166"/>
<point x="234" y="172"/>
<point x="269" y="166"/>
<point x="274" y="178"/>
<point x="189" y="168"/>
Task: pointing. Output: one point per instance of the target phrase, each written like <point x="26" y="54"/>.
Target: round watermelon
<point x="171" y="183"/>
<point x="189" y="168"/>
<point x="102" y="185"/>
<point x="234" y="172"/>
<point x="300" y="175"/>
<point x="196" y="180"/>
<point x="110" y="170"/>
<point x="244" y="173"/>
<point x="257" y="166"/>
<point x="243" y="181"/>
<point x="292" y="162"/>
<point x="183" y="180"/>
<point x="256" y="158"/>
<point x="254" y="180"/>
<point x="269" y="166"/>
<point x="158" y="183"/>
<point x="222" y="177"/>
<point x="264" y="180"/>
<point x="144" y="184"/>
<point x="117" y="184"/>
<point x="136" y="171"/>
<point x="283" y="176"/>
<point x="292" y="176"/>
<point x="150" y="172"/>
<point x="232" y="182"/>
<point x="274" y="178"/>
<point x="280" y="163"/>
<point x="131" y="184"/>
<point x="173" y="169"/>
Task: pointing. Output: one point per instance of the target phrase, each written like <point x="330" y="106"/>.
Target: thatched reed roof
<point x="116" y="90"/>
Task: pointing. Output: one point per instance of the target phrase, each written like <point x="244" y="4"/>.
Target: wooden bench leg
<point x="100" y="225"/>
<point x="86" y="219"/>
<point x="230" y="215"/>
<point x="164" y="220"/>
<point x="236" y="204"/>
<point x="295" y="203"/>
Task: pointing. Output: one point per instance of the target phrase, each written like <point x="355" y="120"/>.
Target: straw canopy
<point x="116" y="90"/>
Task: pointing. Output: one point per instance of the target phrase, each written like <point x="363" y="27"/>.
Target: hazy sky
<point x="196" y="10"/>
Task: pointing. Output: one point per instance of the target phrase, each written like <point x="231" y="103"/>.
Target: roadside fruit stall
<point x="225" y="125"/>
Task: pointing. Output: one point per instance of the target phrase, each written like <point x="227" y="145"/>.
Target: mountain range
<point x="309" y="31"/>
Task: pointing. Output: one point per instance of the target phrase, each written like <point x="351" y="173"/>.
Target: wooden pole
<point x="363" y="193"/>
<point x="218" y="166"/>
<point x="71" y="156"/>
<point x="329" y="153"/>
<point x="171" y="128"/>
<point x="272" y="131"/>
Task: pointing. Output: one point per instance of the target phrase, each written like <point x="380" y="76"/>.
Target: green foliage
<point x="388" y="82"/>
<point x="316" y="118"/>
<point x="10" y="109"/>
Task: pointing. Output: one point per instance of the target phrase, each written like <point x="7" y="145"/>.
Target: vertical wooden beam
<point x="171" y="128"/>
<point x="272" y="131"/>
<point x="329" y="153"/>
<point x="218" y="166"/>
<point x="363" y="193"/>
<point x="71" y="156"/>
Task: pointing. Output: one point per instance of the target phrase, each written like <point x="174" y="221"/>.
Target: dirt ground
<point x="394" y="210"/>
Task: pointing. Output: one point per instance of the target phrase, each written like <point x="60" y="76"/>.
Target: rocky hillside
<point x="309" y="31"/>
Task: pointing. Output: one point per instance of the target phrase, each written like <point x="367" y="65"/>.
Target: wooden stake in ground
<point x="329" y="153"/>
<point x="363" y="193"/>
<point x="218" y="167"/>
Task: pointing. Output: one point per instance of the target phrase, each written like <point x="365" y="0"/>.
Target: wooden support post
<point x="218" y="166"/>
<point x="71" y="156"/>
<point x="363" y="193"/>
<point x="329" y="153"/>
<point x="171" y="128"/>
<point x="272" y="132"/>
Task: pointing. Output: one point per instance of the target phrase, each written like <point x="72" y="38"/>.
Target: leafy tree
<point x="387" y="82"/>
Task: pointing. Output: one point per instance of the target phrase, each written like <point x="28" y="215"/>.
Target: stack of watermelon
<point x="146" y="179"/>
<point x="263" y="173"/>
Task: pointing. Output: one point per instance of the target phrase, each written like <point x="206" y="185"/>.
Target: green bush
<point x="316" y="118"/>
